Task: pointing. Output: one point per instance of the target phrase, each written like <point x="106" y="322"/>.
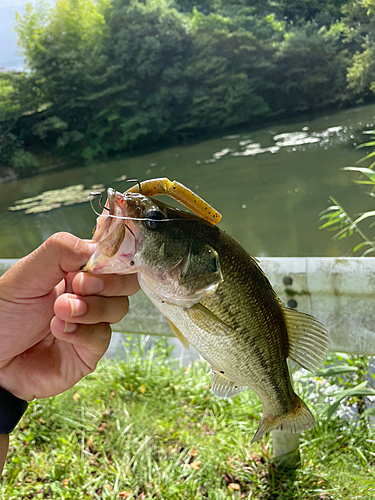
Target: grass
<point x="148" y="428"/>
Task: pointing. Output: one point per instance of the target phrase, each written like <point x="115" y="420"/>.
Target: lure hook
<point x="137" y="182"/>
<point x="96" y="194"/>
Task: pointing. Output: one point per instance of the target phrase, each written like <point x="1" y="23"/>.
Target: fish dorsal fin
<point x="178" y="334"/>
<point x="308" y="339"/>
<point x="207" y="320"/>
<point x="222" y="387"/>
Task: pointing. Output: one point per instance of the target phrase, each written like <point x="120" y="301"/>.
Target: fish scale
<point x="258" y="319"/>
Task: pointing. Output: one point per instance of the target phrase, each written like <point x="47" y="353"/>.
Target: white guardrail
<point x="340" y="292"/>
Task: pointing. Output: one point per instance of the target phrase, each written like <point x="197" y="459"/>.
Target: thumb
<point x="40" y="271"/>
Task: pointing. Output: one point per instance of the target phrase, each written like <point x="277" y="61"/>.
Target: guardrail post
<point x="286" y="449"/>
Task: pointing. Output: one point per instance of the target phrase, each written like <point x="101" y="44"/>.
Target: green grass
<point x="150" y="429"/>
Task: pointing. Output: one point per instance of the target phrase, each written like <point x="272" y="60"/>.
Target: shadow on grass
<point x="286" y="483"/>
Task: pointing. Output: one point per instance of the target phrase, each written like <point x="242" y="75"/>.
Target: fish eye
<point x="154" y="219"/>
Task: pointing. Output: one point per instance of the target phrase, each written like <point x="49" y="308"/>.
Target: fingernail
<point x="90" y="285"/>
<point x="70" y="327"/>
<point x="77" y="307"/>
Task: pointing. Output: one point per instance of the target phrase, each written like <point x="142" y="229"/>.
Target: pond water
<point x="269" y="184"/>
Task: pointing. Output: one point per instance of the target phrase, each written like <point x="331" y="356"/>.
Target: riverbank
<point x="47" y="161"/>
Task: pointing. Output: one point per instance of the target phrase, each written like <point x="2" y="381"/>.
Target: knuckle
<point x="59" y="239"/>
<point x="107" y="309"/>
<point x="120" y="309"/>
<point x="107" y="331"/>
<point x="59" y="242"/>
<point x="130" y="284"/>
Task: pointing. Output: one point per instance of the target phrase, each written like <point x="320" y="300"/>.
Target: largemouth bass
<point x="216" y="298"/>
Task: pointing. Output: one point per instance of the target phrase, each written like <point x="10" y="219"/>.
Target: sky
<point x="9" y="56"/>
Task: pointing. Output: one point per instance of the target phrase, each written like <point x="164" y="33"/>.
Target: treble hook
<point x="95" y="194"/>
<point x="137" y="182"/>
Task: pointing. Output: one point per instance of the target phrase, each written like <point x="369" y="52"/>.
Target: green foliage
<point x="311" y="70"/>
<point x="9" y="112"/>
<point x="51" y="124"/>
<point x="346" y="384"/>
<point x="147" y="428"/>
<point x="336" y="219"/>
<point x="63" y="46"/>
<point x="23" y="163"/>
<point x="359" y="22"/>
<point x="150" y="45"/>
<point x="227" y="72"/>
<point x="105" y="76"/>
<point x="321" y="11"/>
<point x="9" y="106"/>
<point x="294" y="11"/>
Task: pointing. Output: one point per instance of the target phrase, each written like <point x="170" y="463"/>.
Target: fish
<point x="217" y="299"/>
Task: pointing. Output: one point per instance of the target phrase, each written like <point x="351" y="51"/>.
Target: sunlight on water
<point x="294" y="139"/>
<point x="246" y="147"/>
<point x="255" y="149"/>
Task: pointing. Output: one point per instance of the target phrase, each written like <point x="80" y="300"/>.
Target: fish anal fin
<point x="207" y="320"/>
<point x="298" y="420"/>
<point x="178" y="334"/>
<point x="222" y="387"/>
<point x="308" y="339"/>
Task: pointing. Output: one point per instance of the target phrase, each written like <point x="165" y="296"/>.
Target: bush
<point x="23" y="163"/>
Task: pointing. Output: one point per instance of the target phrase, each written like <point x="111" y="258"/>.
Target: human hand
<point x="54" y="319"/>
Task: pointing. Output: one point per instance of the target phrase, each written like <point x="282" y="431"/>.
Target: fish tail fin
<point x="297" y="420"/>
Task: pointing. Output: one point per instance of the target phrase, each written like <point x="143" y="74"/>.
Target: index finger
<point x="107" y="285"/>
<point x="39" y="272"/>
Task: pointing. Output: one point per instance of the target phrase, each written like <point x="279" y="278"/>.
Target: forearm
<point x="4" y="442"/>
<point x="11" y="411"/>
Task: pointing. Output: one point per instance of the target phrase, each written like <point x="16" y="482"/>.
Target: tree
<point x="360" y="32"/>
<point x="63" y="48"/>
<point x="227" y="74"/>
<point x="311" y="69"/>
<point x="105" y="76"/>
<point x="149" y="46"/>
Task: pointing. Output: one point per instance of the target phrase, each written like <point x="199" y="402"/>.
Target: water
<point x="269" y="184"/>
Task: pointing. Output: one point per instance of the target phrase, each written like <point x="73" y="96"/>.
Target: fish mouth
<point x="116" y="239"/>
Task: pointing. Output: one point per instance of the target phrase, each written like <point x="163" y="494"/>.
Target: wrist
<point x="11" y="411"/>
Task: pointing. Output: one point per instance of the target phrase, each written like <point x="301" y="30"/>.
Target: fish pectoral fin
<point x="200" y="266"/>
<point x="207" y="320"/>
<point x="178" y="334"/>
<point x="308" y="339"/>
<point x="222" y="387"/>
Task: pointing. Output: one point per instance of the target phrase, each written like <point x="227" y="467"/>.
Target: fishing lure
<point x="178" y="192"/>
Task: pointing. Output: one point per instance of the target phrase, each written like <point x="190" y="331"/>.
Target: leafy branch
<point x="336" y="219"/>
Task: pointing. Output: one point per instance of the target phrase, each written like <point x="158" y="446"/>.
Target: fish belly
<point x="226" y="356"/>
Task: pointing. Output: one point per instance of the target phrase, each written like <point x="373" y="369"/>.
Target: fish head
<point x="170" y="249"/>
